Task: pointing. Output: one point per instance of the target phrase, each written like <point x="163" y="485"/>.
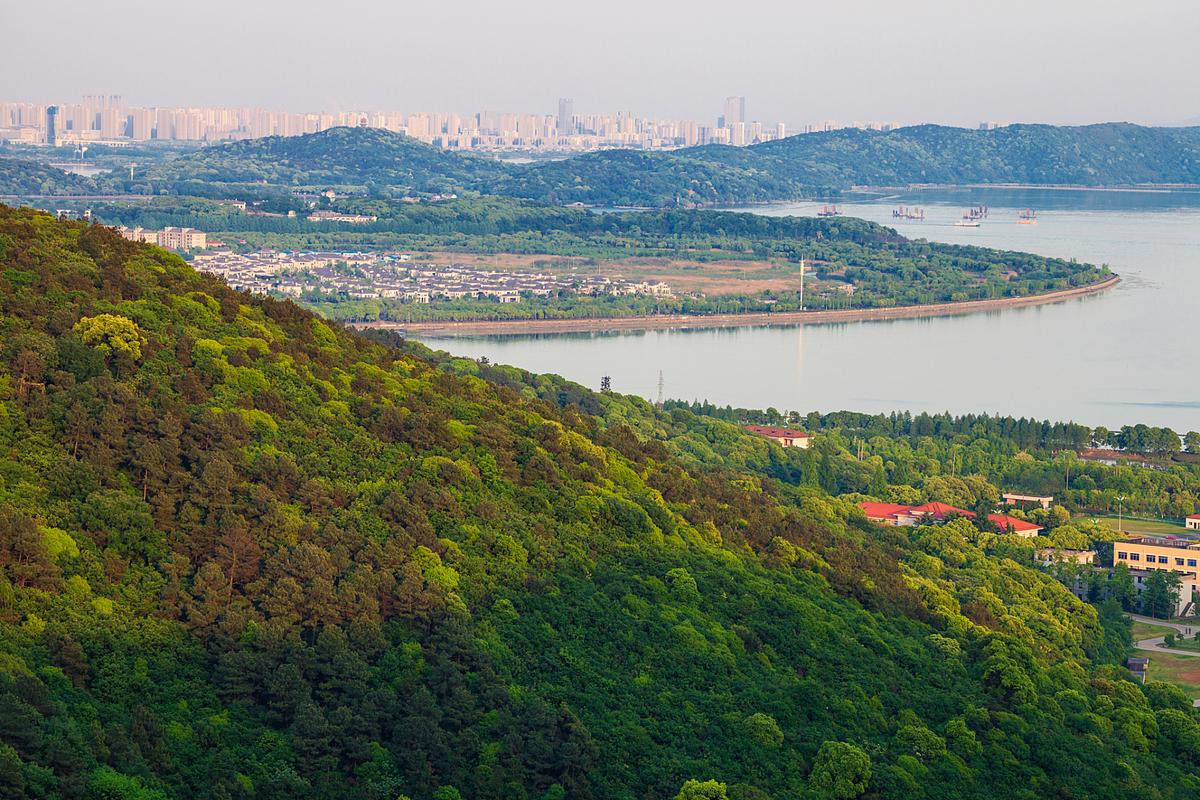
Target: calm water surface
<point x="1129" y="355"/>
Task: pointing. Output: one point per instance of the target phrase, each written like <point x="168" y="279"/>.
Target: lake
<point x="1129" y="355"/>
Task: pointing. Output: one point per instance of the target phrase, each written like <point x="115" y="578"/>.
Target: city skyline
<point x="1064" y="63"/>
<point x="109" y="118"/>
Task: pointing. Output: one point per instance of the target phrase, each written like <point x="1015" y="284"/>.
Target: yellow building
<point x="1178" y="554"/>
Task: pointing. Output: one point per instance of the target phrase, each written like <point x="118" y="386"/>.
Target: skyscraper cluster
<point x="107" y="119"/>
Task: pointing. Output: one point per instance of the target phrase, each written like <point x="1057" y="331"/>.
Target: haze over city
<point x="1065" y="63"/>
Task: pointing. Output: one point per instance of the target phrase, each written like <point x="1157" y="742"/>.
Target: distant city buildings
<point x="108" y="120"/>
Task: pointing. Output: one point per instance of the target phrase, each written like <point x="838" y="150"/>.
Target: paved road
<point x="1154" y="643"/>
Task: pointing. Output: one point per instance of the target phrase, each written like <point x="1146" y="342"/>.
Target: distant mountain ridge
<point x="338" y="156"/>
<point x="1091" y="155"/>
<point x="1094" y="155"/>
<point x="1108" y="154"/>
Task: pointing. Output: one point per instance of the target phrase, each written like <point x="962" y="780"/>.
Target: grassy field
<point x="1140" y="525"/>
<point x="1183" y="671"/>
<point x="1143" y="630"/>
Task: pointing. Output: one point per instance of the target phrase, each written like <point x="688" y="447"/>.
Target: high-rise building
<point x="566" y="116"/>
<point x="106" y="118"/>
<point x="735" y="111"/>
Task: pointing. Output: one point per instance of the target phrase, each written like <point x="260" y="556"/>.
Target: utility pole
<point x="802" y="284"/>
<point x="1120" y="509"/>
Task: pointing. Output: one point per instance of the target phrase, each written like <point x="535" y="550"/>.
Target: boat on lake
<point x="1027" y="217"/>
<point x="829" y="211"/>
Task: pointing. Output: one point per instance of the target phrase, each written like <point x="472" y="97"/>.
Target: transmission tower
<point x="605" y="384"/>
<point x="660" y="389"/>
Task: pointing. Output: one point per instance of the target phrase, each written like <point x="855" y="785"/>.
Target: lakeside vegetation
<point x="253" y="555"/>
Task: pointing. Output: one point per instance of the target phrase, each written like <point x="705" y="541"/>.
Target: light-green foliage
<point x="112" y="335"/>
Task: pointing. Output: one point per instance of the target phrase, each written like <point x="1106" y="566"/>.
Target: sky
<point x="1054" y="61"/>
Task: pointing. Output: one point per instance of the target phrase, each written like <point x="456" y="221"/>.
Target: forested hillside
<point x="1089" y="155"/>
<point x="25" y="177"/>
<point x="247" y="554"/>
<point x="1092" y="155"/>
<point x="385" y="163"/>
<point x="366" y="158"/>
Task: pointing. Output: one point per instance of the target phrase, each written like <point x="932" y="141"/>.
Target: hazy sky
<point x="1063" y="61"/>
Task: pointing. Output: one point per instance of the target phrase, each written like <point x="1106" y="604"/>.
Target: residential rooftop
<point x="1182" y="541"/>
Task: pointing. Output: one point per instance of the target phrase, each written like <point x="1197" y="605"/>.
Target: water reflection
<point x="1128" y="355"/>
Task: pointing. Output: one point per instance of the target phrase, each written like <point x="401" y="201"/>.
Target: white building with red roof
<point x="788" y="437"/>
<point x="907" y="516"/>
<point x="1192" y="522"/>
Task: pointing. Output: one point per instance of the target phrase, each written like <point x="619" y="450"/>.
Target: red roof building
<point x="1192" y="522"/>
<point x="901" y="515"/>
<point x="788" y="437"/>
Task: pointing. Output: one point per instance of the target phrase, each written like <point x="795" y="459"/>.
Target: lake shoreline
<point x="754" y="319"/>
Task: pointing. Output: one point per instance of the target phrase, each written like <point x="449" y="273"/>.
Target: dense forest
<point x="248" y="554"/>
<point x="391" y="164"/>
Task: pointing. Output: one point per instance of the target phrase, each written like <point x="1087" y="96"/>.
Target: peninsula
<point x="697" y="321"/>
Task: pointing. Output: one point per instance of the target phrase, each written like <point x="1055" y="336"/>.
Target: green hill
<point x="369" y="158"/>
<point x="350" y="157"/>
<point x="632" y="178"/>
<point x="1092" y="155"/>
<point x="250" y="555"/>
<point x="26" y="177"/>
